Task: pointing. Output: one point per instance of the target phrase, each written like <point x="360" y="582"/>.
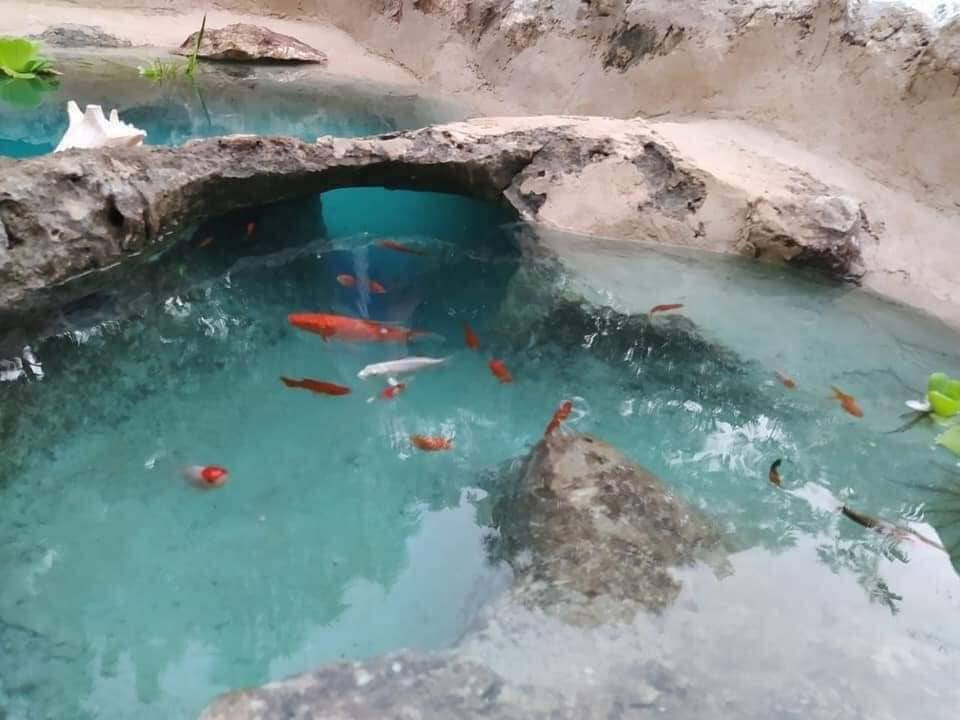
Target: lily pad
<point x="950" y="439"/>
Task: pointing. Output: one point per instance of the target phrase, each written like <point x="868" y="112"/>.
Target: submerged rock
<point x="242" y="42"/>
<point x="67" y="221"/>
<point x="594" y="536"/>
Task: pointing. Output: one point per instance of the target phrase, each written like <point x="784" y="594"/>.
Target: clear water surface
<point x="128" y="593"/>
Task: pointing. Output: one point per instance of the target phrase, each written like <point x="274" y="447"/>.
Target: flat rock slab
<point x="242" y="42"/>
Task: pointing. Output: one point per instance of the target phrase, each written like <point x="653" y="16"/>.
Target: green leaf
<point x="10" y="72"/>
<point x="15" y="53"/>
<point x="943" y="405"/>
<point x="937" y="381"/>
<point x="951" y="439"/>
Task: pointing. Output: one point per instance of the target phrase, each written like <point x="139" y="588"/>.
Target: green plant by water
<point x="161" y="70"/>
<point x="20" y="59"/>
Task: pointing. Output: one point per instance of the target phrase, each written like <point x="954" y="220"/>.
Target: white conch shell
<point x="90" y="129"/>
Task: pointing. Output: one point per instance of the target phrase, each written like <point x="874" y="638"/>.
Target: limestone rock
<point x="242" y="42"/>
<point x="69" y="222"/>
<point x="597" y="534"/>
<point x="72" y="35"/>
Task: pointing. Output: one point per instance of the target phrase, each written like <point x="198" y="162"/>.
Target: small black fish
<point x="774" y="474"/>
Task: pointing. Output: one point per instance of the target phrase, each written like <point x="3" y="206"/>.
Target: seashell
<point x="91" y="129"/>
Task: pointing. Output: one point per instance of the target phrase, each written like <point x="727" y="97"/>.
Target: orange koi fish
<point x="787" y="381"/>
<point x="350" y="329"/>
<point x="399" y="247"/>
<point x="562" y="413"/>
<point x="774" y="475"/>
<point x="499" y="370"/>
<point x="847" y="402"/>
<point x="251" y="226"/>
<point x="470" y="337"/>
<point x="391" y="391"/>
<point x="349" y="281"/>
<point x="431" y="444"/>
<point x="664" y="308"/>
<point x="316" y="386"/>
<point x="206" y="476"/>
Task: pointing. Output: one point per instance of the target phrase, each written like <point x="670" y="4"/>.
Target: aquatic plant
<point x="20" y="59"/>
<point x="160" y="70"/>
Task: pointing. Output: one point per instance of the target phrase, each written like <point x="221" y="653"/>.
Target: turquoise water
<point x="129" y="593"/>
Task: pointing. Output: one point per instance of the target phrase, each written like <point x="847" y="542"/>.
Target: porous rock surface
<point x="243" y="42"/>
<point x="70" y="220"/>
<point x="588" y="531"/>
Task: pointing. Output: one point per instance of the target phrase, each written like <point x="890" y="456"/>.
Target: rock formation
<point x="69" y="221"/>
<point x="592" y="537"/>
<point x="72" y="35"/>
<point x="241" y="42"/>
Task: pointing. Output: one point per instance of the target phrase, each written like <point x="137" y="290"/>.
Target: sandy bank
<point x="165" y="25"/>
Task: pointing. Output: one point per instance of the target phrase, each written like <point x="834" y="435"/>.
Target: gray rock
<point x="71" y="35"/>
<point x="69" y="221"/>
<point x="241" y="42"/>
<point x="597" y="534"/>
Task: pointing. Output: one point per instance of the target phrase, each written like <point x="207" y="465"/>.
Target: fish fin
<point x="289" y="382"/>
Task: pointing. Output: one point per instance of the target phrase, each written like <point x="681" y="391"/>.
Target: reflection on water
<point x="127" y="592"/>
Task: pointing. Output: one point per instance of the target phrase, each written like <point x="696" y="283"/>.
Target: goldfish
<point x="847" y="402"/>
<point x="787" y="381"/>
<point x="470" y="337"/>
<point x="398" y="247"/>
<point x="350" y="281"/>
<point x="316" y="386"/>
<point x="499" y="369"/>
<point x="205" y="242"/>
<point x="251" y="226"/>
<point x="774" y="474"/>
<point x="430" y="443"/>
<point x="665" y="308"/>
<point x="391" y="391"/>
<point x="885" y="527"/>
<point x="396" y="368"/>
<point x="562" y="413"/>
<point x="206" y="476"/>
<point x="350" y="329"/>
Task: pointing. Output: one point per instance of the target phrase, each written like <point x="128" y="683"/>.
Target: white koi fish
<point x="397" y="368"/>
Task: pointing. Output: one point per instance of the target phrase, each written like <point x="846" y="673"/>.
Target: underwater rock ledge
<point x="592" y="538"/>
<point x="68" y="221"/>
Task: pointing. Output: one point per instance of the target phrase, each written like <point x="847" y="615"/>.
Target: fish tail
<point x="290" y="383"/>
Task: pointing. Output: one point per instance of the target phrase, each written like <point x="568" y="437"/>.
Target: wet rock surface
<point x="67" y="222"/>
<point x="242" y="42"/>
<point x="592" y="538"/>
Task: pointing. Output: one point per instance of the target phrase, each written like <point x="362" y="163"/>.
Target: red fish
<point x="431" y="444"/>
<point x="206" y="476"/>
<point x="847" y="402"/>
<point x="562" y="413"/>
<point x="787" y="381"/>
<point x="349" y="281"/>
<point x="470" y="337"/>
<point x="774" y="474"/>
<point x="251" y="226"/>
<point x="398" y="247"/>
<point x="499" y="369"/>
<point x="316" y="386"/>
<point x="665" y="308"/>
<point x="391" y="391"/>
<point x="351" y="329"/>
